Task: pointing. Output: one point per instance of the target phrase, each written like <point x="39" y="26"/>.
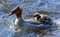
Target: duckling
<point x="42" y="18"/>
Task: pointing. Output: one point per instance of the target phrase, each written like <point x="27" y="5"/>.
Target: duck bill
<point x="7" y="15"/>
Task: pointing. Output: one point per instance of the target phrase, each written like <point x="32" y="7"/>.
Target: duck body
<point x="30" y="24"/>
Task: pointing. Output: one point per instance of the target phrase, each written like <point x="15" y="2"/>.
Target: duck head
<point x="17" y="11"/>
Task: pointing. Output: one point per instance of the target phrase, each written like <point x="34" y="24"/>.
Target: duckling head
<point x="37" y="16"/>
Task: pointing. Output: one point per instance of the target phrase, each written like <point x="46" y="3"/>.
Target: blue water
<point x="30" y="6"/>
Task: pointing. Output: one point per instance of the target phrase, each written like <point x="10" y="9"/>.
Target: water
<point x="30" y="6"/>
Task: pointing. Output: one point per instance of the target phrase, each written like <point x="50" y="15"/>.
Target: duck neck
<point x="19" y="21"/>
<point x="19" y="17"/>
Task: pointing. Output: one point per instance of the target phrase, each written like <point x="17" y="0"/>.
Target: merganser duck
<point x="19" y="21"/>
<point x="27" y="24"/>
